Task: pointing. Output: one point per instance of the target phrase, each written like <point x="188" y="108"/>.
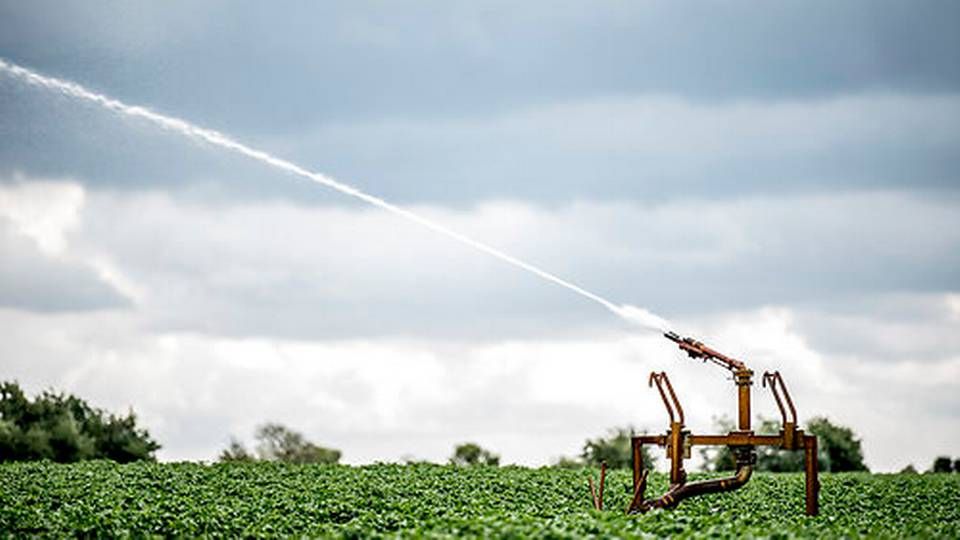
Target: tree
<point x="616" y="449"/>
<point x="276" y="442"/>
<point x="236" y="453"/>
<point x="719" y="458"/>
<point x="769" y="458"/>
<point x="772" y="459"/>
<point x="65" y="428"/>
<point x="942" y="465"/>
<point x="956" y="465"/>
<point x="839" y="449"/>
<point x="564" y="462"/>
<point x="471" y="454"/>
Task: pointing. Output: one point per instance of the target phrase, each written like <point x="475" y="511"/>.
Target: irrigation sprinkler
<point x="678" y="441"/>
<point x="742" y="442"/>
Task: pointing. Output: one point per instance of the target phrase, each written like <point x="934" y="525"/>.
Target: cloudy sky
<point x="780" y="180"/>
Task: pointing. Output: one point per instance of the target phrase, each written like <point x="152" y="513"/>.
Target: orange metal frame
<point x="678" y="441"/>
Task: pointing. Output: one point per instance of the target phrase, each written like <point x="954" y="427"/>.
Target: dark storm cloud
<point x="649" y="149"/>
<point x="274" y="67"/>
<point x="47" y="135"/>
<point x="457" y="102"/>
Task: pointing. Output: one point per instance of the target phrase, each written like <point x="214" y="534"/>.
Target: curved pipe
<point x="679" y="492"/>
<point x="768" y="378"/>
<point x="656" y="378"/>
<point x="774" y="379"/>
<point x="673" y="396"/>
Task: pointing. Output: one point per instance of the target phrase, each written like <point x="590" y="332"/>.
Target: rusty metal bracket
<point x="774" y="379"/>
<point x="792" y="437"/>
<point x="660" y="379"/>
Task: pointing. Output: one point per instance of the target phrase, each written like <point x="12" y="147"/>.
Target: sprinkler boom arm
<point x="696" y="349"/>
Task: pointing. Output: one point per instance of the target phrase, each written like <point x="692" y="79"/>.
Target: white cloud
<point x="531" y="400"/>
<point x="376" y="337"/>
<point x="277" y="269"/>
<point x="42" y="210"/>
<point x="38" y="270"/>
<point x="953" y="303"/>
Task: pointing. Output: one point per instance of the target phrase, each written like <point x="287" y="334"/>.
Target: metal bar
<point x="735" y="439"/>
<point x="744" y="379"/>
<point x="811" y="477"/>
<point x="677" y="474"/>
<point x="659" y="440"/>
<point x="638" y="489"/>
<point x="637" y="444"/>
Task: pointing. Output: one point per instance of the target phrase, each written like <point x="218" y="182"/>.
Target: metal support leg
<point x="811" y="476"/>
<point x="637" y="462"/>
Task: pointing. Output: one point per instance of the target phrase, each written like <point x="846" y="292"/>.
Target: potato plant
<point x="423" y="500"/>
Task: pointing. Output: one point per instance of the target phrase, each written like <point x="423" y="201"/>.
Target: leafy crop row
<point x="269" y="499"/>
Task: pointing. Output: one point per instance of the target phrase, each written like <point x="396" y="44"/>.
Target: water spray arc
<point x="636" y="315"/>
<point x="677" y="441"/>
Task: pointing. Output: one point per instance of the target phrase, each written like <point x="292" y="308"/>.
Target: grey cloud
<point x="884" y="328"/>
<point x="324" y="272"/>
<point x="650" y="149"/>
<point x="258" y="69"/>
<point x="653" y="148"/>
<point x="46" y="135"/>
<point x="33" y="281"/>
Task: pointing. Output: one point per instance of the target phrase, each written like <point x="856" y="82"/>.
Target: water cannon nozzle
<point x="696" y="349"/>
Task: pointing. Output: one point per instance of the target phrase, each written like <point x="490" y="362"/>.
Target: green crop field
<point x="268" y="499"/>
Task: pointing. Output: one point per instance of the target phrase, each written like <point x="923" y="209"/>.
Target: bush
<point x="839" y="449"/>
<point x="65" y="428"/>
<point x="616" y="449"/>
<point x="276" y="442"/>
<point x="942" y="465"/>
<point x="471" y="454"/>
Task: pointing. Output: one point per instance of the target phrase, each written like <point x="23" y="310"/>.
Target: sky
<point x="779" y="180"/>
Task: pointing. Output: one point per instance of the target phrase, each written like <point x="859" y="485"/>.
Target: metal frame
<point x="742" y="441"/>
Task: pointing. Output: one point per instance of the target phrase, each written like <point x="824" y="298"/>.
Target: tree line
<point x="839" y="450"/>
<point x="64" y="428"/>
<point x="943" y="464"/>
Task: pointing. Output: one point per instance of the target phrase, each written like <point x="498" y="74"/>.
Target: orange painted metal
<point x="742" y="442"/>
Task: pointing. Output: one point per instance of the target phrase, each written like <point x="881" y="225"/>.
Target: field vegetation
<point x="103" y="498"/>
